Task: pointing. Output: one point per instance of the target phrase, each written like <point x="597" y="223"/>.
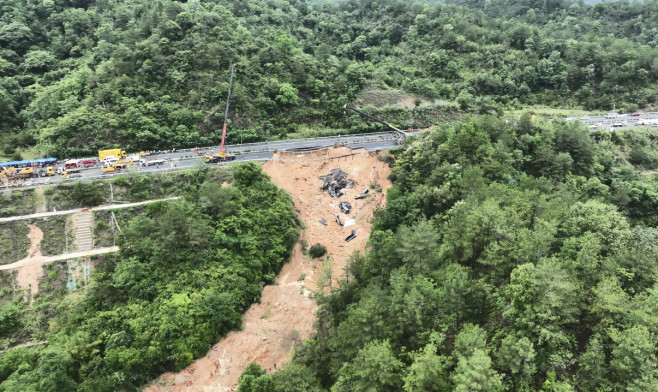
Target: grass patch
<point x="552" y="112"/>
<point x="7" y="286"/>
<point x="14" y="243"/>
<point x="77" y="195"/>
<point x="17" y="202"/>
<point x="139" y="187"/>
<point x="56" y="231"/>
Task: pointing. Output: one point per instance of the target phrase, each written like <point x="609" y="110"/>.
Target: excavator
<point x="121" y="164"/>
<point x="223" y="156"/>
<point x="26" y="172"/>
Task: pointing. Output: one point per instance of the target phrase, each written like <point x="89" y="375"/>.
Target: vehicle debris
<point x="338" y="220"/>
<point x="349" y="222"/>
<point x="345" y="207"/>
<point x="323" y="221"/>
<point x="351" y="236"/>
<point x="363" y="194"/>
<point x="335" y="183"/>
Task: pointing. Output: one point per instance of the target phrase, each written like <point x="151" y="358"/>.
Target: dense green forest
<point x="509" y="257"/>
<point x="80" y="75"/>
<point x="186" y="271"/>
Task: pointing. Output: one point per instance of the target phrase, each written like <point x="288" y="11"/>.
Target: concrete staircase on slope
<point x="83" y="233"/>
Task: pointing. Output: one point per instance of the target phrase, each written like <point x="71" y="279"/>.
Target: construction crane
<point x="375" y="119"/>
<point x="223" y="156"/>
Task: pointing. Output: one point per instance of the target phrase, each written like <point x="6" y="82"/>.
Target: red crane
<point x="222" y="156"/>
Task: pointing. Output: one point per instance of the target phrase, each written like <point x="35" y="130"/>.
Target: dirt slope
<point x="28" y="276"/>
<point x="286" y="313"/>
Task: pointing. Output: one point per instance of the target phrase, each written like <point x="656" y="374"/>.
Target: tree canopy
<point x="497" y="266"/>
<point x="78" y="76"/>
<point x="186" y="271"/>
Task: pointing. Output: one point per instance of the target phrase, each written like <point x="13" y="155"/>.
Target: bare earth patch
<point x="286" y="314"/>
<point x="28" y="276"/>
<point x="40" y="200"/>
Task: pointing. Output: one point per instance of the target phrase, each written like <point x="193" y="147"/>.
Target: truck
<point x="112" y="153"/>
<point x="47" y="172"/>
<point x="153" y="162"/>
<point x="69" y="170"/>
<point x="116" y="166"/>
<point x="220" y="157"/>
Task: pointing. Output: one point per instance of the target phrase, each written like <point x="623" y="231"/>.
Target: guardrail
<point x="232" y="147"/>
<point x="150" y="169"/>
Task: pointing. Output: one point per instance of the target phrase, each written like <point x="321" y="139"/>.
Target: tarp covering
<point x="28" y="162"/>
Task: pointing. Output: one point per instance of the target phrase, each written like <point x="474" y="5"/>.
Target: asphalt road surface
<point x="183" y="159"/>
<point x="617" y="121"/>
<point x="262" y="151"/>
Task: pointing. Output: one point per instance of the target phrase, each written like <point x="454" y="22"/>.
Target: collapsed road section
<point x="285" y="315"/>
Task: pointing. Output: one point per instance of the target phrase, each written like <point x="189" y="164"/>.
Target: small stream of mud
<point x="285" y="315"/>
<point x="28" y="275"/>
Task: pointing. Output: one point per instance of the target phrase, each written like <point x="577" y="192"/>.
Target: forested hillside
<point x="186" y="272"/>
<point x="509" y="257"/>
<point x="80" y="75"/>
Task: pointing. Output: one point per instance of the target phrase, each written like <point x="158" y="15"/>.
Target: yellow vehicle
<point x="220" y="157"/>
<point x="115" y="152"/>
<point x="26" y="172"/>
<point x="121" y="164"/>
<point x="47" y="172"/>
<point x="8" y="172"/>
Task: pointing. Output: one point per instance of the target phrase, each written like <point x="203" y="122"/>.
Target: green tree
<point x="375" y="368"/>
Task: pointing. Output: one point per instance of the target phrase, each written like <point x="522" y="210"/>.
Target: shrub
<point x="317" y="251"/>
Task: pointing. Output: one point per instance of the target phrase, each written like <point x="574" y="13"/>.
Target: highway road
<point x="617" y="121"/>
<point x="183" y="159"/>
<point x="262" y="151"/>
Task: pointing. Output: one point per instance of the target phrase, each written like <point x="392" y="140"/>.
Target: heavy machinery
<point x="223" y="156"/>
<point x="6" y="174"/>
<point x="121" y="164"/>
<point x="47" y="172"/>
<point x="220" y="157"/>
<point x="112" y="153"/>
<point x="26" y="172"/>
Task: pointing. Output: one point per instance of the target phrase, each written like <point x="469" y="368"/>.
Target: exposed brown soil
<point x="40" y="207"/>
<point x="286" y="313"/>
<point x="28" y="276"/>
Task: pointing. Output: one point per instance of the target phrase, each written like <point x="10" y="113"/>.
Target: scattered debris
<point x="363" y="194"/>
<point x="323" y="221"/>
<point x="335" y="183"/>
<point x="349" y="222"/>
<point x="345" y="207"/>
<point x="338" y="174"/>
<point x="338" y="220"/>
<point x="351" y="236"/>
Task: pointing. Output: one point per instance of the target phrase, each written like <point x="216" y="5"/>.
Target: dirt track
<point x="286" y="313"/>
<point x="70" y="212"/>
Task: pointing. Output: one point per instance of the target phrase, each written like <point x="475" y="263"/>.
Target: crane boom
<point x="230" y="87"/>
<point x="375" y="119"/>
